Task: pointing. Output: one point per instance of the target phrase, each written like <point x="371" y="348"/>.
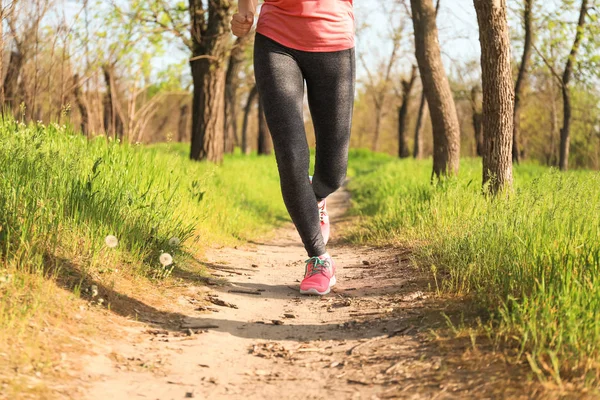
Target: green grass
<point x="61" y="195"/>
<point x="58" y="190"/>
<point x="532" y="259"/>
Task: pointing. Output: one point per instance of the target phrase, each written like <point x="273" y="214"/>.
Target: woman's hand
<point x="241" y="24"/>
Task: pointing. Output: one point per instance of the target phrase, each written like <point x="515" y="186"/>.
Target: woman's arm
<point x="247" y="6"/>
<point x="242" y="22"/>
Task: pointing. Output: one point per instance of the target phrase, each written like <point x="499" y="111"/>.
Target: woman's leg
<point x="280" y="84"/>
<point x="330" y="81"/>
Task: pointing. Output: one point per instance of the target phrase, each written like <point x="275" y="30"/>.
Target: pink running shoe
<point x="319" y="276"/>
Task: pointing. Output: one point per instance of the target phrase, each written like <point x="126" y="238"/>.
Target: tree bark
<point x="498" y="94"/>
<point x="265" y="143"/>
<point x="245" y="142"/>
<point x="477" y="122"/>
<point x="446" y="132"/>
<point x="418" y="144"/>
<point x="210" y="43"/>
<point x="236" y="60"/>
<point x="83" y="109"/>
<point x="565" y="132"/>
<point x="407" y="86"/>
<point x="521" y="78"/>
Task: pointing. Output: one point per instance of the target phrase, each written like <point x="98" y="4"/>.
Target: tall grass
<point x="59" y="190"/>
<point x="532" y="259"/>
<point x="61" y="195"/>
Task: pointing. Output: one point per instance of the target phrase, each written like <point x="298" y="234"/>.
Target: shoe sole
<point x="315" y="292"/>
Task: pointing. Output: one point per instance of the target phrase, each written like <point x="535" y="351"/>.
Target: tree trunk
<point x="210" y="37"/>
<point x="378" y="116"/>
<point x="2" y="98"/>
<point x="554" y="130"/>
<point x="446" y="132"/>
<point x="265" y="143"/>
<point x="182" y="126"/>
<point x="236" y="60"/>
<point x="113" y="118"/>
<point x="245" y="142"/>
<point x="83" y="109"/>
<point x="11" y="81"/>
<point x="565" y="132"/>
<point x="527" y="24"/>
<point x="407" y="86"/>
<point x="498" y="94"/>
<point x="418" y="144"/>
<point x="477" y="120"/>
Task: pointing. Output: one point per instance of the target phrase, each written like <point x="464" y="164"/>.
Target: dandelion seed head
<point x="174" y="241"/>
<point x="166" y="259"/>
<point x="111" y="241"/>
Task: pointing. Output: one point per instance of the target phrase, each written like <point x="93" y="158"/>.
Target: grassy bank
<point x="62" y="195"/>
<point x="532" y="260"/>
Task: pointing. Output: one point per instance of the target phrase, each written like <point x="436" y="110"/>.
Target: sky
<point x="457" y="26"/>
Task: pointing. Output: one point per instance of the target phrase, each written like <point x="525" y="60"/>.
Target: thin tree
<point x="2" y="14"/>
<point x="236" y="61"/>
<point x="407" y="85"/>
<point x="252" y="95"/>
<point x="24" y="19"/>
<point x="521" y="78"/>
<point x="379" y="84"/>
<point x="182" y="126"/>
<point x="265" y="143"/>
<point x="446" y="132"/>
<point x="81" y="105"/>
<point x="113" y="114"/>
<point x="565" y="132"/>
<point x="564" y="82"/>
<point x="477" y="120"/>
<point x="418" y="141"/>
<point x="498" y="94"/>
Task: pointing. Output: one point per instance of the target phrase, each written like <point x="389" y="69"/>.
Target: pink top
<point x="308" y="25"/>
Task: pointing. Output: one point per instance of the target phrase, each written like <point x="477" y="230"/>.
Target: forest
<point x="146" y="251"/>
<point x="131" y="71"/>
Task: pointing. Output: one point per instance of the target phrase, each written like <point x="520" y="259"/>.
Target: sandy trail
<point x="368" y="339"/>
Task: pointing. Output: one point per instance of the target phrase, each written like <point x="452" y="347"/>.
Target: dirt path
<point x="369" y="339"/>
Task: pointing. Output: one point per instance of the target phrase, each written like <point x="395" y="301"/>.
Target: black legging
<point x="280" y="75"/>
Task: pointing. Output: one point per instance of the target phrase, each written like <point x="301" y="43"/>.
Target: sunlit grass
<point x="75" y="211"/>
<point x="531" y="259"/>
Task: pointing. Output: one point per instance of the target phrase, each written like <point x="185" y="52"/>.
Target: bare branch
<point x="549" y="65"/>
